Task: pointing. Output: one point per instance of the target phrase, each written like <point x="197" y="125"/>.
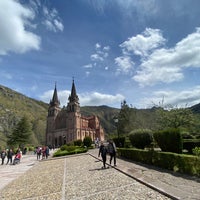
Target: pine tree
<point x="21" y="133"/>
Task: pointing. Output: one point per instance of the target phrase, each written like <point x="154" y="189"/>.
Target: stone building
<point x="67" y="124"/>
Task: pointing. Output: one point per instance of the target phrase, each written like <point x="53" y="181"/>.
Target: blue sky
<point x="144" y="52"/>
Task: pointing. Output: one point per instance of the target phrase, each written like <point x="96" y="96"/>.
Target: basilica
<point x="65" y="125"/>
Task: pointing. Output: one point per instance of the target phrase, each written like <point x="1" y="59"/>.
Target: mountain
<point x="13" y="106"/>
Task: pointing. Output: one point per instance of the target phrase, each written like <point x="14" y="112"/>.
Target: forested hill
<point x="14" y="105"/>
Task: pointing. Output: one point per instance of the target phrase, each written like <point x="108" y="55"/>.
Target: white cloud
<point x="96" y="57"/>
<point x="125" y="65"/>
<point x="144" y="43"/>
<point x="85" y="99"/>
<point x="88" y="66"/>
<point x="159" y="64"/>
<point x="97" y="99"/>
<point x="185" y="98"/>
<point x="52" y="20"/>
<point x="15" y="36"/>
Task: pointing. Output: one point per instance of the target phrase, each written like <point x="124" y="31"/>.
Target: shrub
<point x="169" y="140"/>
<point x="87" y="141"/>
<point x="141" y="138"/>
<point x="190" y="144"/>
<point x="187" y="164"/>
<point x="78" y="142"/>
<point x="119" y="142"/>
<point x="196" y="151"/>
<point x="66" y="152"/>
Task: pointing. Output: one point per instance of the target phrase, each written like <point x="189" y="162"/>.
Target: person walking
<point x="3" y="155"/>
<point x="9" y="156"/>
<point x="112" y="150"/>
<point x="103" y="153"/>
<point x="38" y="151"/>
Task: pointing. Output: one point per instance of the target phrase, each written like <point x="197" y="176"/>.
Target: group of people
<point x="109" y="149"/>
<point x="42" y="152"/>
<point x="9" y="153"/>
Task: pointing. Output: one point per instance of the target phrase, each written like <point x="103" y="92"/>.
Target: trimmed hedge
<point x="141" y="138"/>
<point x="190" y="144"/>
<point x="169" y="140"/>
<point x="69" y="151"/>
<point x="187" y="164"/>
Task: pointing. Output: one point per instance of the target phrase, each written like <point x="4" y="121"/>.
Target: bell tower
<point x="53" y="111"/>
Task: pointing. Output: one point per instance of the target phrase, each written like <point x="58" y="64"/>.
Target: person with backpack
<point x="103" y="153"/>
<point x="112" y="150"/>
<point x="3" y="155"/>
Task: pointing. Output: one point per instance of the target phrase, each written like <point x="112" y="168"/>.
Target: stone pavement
<point x="81" y="177"/>
<point x="174" y="185"/>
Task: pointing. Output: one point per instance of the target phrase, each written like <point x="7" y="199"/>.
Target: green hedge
<point x="190" y="144"/>
<point x="67" y="152"/>
<point x="169" y="140"/>
<point x="141" y="138"/>
<point x="187" y="164"/>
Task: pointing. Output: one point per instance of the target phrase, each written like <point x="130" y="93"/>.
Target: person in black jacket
<point x="9" y="156"/>
<point x="3" y="155"/>
<point x="103" y="153"/>
<point x="112" y="150"/>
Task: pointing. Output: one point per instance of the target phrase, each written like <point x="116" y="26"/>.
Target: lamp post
<point x="116" y="120"/>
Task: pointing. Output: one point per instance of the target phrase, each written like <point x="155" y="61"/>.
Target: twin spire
<point x="72" y="98"/>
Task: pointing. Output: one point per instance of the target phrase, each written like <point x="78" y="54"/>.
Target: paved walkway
<point x="81" y="177"/>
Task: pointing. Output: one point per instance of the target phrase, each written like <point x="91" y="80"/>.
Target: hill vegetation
<point x="14" y="106"/>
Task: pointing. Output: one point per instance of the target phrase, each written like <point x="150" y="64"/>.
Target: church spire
<point x="55" y="101"/>
<point x="73" y="97"/>
<point x="73" y="104"/>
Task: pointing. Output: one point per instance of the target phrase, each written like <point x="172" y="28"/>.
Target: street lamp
<point x="116" y="120"/>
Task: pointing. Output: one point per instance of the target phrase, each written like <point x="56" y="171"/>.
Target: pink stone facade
<point x="67" y="124"/>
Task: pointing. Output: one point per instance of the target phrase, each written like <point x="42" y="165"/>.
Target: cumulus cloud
<point x="15" y="20"/>
<point x="143" y="44"/>
<point x="97" y="99"/>
<point x="159" y="63"/>
<point x="125" y="64"/>
<point x="100" y="53"/>
<point x="86" y="99"/>
<point x="98" y="57"/>
<point x="174" y="98"/>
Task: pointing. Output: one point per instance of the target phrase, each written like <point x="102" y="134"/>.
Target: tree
<point x="175" y="118"/>
<point x="21" y="133"/>
<point x="124" y="119"/>
<point x="87" y="141"/>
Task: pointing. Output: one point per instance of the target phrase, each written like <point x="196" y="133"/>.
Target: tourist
<point x="9" y="156"/>
<point x="47" y="151"/>
<point x="103" y="153"/>
<point x="3" y="155"/>
<point x="17" y="158"/>
<point x="39" y="151"/>
<point x="112" y="151"/>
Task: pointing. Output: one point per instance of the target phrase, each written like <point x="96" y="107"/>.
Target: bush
<point x="182" y="163"/>
<point x="190" y="144"/>
<point x="66" y="152"/>
<point x="196" y="151"/>
<point x="78" y="142"/>
<point x="119" y="142"/>
<point x="67" y="148"/>
<point x="169" y="140"/>
<point x="141" y="138"/>
<point x="87" y="141"/>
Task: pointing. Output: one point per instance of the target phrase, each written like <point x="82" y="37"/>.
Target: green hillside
<point x="13" y="106"/>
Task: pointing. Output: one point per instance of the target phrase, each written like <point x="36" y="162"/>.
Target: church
<point x="65" y="125"/>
